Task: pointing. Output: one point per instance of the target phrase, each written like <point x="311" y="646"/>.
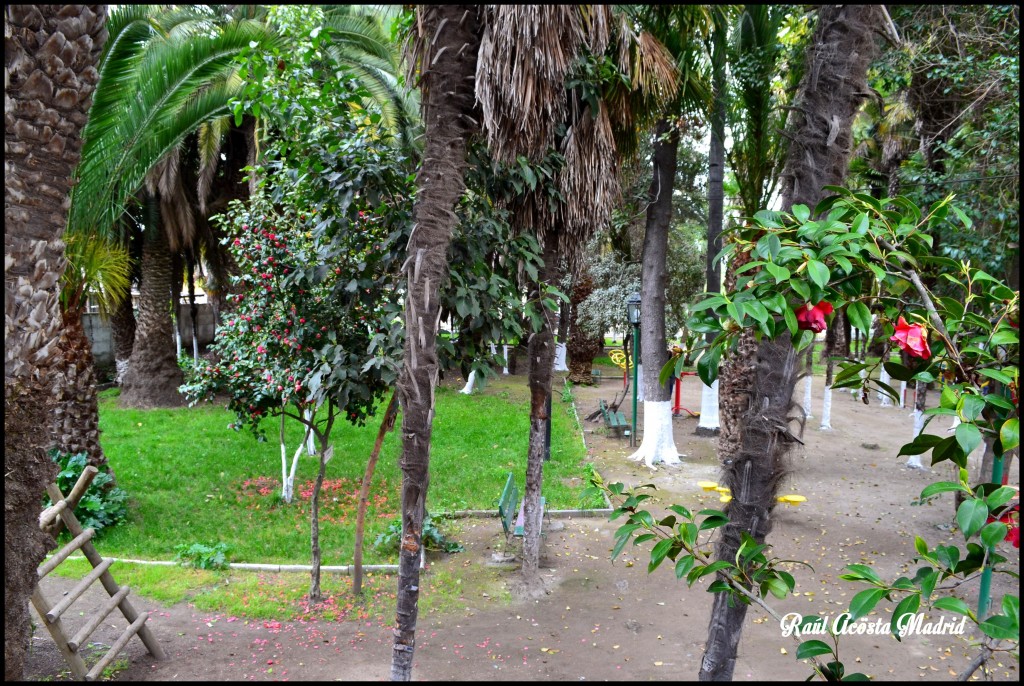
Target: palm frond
<point x="171" y="87"/>
<point x="210" y="135"/>
<point x="99" y="268"/>
<point x="525" y="53"/>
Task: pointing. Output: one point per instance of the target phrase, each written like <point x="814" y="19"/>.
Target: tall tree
<point x="51" y="54"/>
<point x="831" y="91"/>
<point x="443" y="48"/>
<point x="756" y="159"/>
<point x="708" y="424"/>
<point x="98" y="272"/>
<point x="682" y="29"/>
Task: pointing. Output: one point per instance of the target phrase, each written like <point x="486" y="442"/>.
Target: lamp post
<point x="633" y="313"/>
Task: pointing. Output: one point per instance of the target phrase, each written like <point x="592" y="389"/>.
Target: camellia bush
<point x="803" y="270"/>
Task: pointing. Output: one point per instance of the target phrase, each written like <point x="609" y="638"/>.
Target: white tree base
<point x="560" y="358"/>
<point x="659" y="445"/>
<point x="914" y="462"/>
<point x="709" y="420"/>
<point x="826" y="410"/>
<point x="807" y="398"/>
<point x="468" y="388"/>
<point x="504" y="353"/>
<point x="883" y="398"/>
<point x="903" y="392"/>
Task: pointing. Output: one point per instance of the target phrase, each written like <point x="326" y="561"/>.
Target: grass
<point x="192" y="480"/>
<point x="282" y="596"/>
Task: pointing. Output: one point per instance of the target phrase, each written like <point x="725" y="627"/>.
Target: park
<point x="571" y="342"/>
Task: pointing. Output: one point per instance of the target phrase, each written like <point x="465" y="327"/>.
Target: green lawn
<point x="192" y="480"/>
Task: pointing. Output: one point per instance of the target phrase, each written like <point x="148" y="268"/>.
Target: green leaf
<point x="791" y="322"/>
<point x="1001" y="627"/>
<point x="920" y="545"/>
<point x="818" y="273"/>
<point x="898" y="371"/>
<point x="860" y="316"/>
<point x="812" y="649"/>
<point x="952" y="605"/>
<point x="684" y="565"/>
<point x="707" y="365"/>
<point x="658" y="553"/>
<point x="971" y="406"/>
<point x="908" y="605"/>
<point x="863" y="572"/>
<point x="865" y="601"/>
<point x="971" y="516"/>
<point x="1005" y="337"/>
<point x="999" y="497"/>
<point x="860" y="224"/>
<point x="801" y="212"/>
<point x="800" y="288"/>
<point x="996" y="375"/>
<point x="993" y="533"/>
<point x="775" y="586"/>
<point x="968" y="436"/>
<point x="1009" y="434"/>
<point x="780" y="273"/>
<point x="941" y="487"/>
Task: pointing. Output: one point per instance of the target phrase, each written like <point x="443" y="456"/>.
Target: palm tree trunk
<point x="153" y="374"/>
<point x="75" y="424"/>
<point x="41" y="148"/>
<point x="122" y="333"/>
<point x="449" y="33"/>
<point x="581" y="347"/>
<point x="658" y="444"/>
<point x="831" y="91"/>
<point x="753" y="477"/>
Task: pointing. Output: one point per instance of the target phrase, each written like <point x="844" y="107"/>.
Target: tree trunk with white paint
<point x="658" y="444"/>
<point x="468" y="388"/>
<point x="708" y="424"/>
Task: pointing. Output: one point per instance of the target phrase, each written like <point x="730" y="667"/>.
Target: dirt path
<point x="604" y="621"/>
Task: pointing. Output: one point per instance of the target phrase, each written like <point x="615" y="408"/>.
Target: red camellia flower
<point x="912" y="339"/>
<point x="812" y="317"/>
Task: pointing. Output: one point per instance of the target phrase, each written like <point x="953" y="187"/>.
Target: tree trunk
<point x="831" y="91"/>
<point x="658" y="443"/>
<point x="314" y="529"/>
<point x="450" y="33"/>
<point x="41" y="148"/>
<point x="735" y="377"/>
<point x="386" y="424"/>
<point x="541" y="365"/>
<point x="122" y="333"/>
<point x="753" y="477"/>
<point x="76" y="419"/>
<point x="709" y="423"/>
<point x="581" y="347"/>
<point x="153" y="374"/>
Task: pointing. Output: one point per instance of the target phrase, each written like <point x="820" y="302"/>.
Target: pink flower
<point x="260" y="349"/>
<point x="812" y="317"/>
<point x="912" y="339"/>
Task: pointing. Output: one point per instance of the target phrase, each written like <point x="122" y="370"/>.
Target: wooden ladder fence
<point x="61" y="513"/>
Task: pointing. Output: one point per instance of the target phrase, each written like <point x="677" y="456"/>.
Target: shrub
<point x="103" y="504"/>
<point x="202" y="556"/>
<point x="433" y="538"/>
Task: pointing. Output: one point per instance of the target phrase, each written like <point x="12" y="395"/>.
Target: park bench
<point x="507" y="505"/>
<point x="616" y="421"/>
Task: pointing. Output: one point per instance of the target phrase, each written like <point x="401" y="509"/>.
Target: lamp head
<point x="633" y="309"/>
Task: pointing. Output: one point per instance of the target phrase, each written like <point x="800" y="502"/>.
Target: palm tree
<point x="443" y="48"/>
<point x="47" y="105"/>
<point x="756" y="159"/>
<point x="98" y="271"/>
<point x="521" y="56"/>
<point x="831" y="91"/>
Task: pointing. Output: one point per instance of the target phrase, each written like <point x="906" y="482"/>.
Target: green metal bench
<point x="507" y="509"/>
<point x="615" y="421"/>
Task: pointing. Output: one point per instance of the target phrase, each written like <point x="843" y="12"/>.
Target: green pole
<point x="636" y="340"/>
<point x="985" y="590"/>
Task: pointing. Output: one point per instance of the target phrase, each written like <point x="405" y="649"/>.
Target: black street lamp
<point x="633" y="314"/>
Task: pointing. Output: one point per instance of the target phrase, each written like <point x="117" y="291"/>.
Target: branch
<point x="978" y="661"/>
